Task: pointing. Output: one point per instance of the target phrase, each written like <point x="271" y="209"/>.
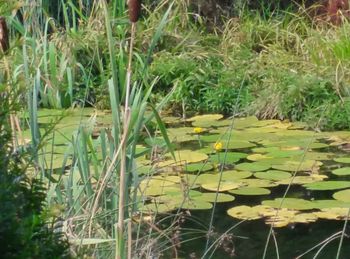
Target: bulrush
<point x="134" y="10"/>
<point x="4" y="35"/>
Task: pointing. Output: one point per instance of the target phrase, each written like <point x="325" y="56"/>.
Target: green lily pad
<point x="229" y="176"/>
<point x="206" y="117"/>
<point x="158" y="208"/>
<point x="229" y="158"/>
<point x="302" y="179"/>
<point x="285" y="153"/>
<point x="254" y="167"/>
<point x="327" y="185"/>
<point x="342" y="171"/>
<point x="211" y="197"/>
<point x="224" y="186"/>
<point x="207" y="178"/>
<point x="258" y="157"/>
<point x="199" y="167"/>
<point x="342" y="195"/>
<point x="325" y="204"/>
<point x="194" y="205"/>
<point x="233" y="175"/>
<point x="293" y="166"/>
<point x="248" y="213"/>
<point x="274" y="175"/>
<point x="181" y="134"/>
<point x="184" y="157"/>
<point x="237" y="144"/>
<point x="246" y="122"/>
<point x="289" y="203"/>
<point x="251" y="191"/>
<point x="257" y="183"/>
<point x="345" y="160"/>
<point x="210" y="138"/>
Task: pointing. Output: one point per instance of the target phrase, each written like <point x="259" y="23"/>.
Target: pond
<point x="259" y="174"/>
<point x="264" y="161"/>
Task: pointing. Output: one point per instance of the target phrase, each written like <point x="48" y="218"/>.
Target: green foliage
<point x="26" y="231"/>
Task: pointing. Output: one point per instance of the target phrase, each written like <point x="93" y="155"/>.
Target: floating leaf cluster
<point x="216" y="160"/>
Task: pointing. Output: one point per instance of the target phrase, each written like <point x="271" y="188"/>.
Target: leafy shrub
<point x="24" y="230"/>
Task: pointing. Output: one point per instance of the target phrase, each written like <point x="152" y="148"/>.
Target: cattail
<point x="134" y="10"/>
<point x="4" y="35"/>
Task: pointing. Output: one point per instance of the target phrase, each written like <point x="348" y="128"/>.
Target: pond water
<point x="249" y="237"/>
<point x="252" y="165"/>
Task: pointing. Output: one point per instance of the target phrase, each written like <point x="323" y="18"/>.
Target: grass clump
<point x="289" y="68"/>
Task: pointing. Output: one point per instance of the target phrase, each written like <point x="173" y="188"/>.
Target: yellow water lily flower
<point x="218" y="146"/>
<point x="198" y="130"/>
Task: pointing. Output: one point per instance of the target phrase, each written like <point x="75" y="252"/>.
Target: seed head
<point x="4" y="35"/>
<point x="134" y="10"/>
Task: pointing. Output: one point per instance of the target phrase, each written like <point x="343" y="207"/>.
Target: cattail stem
<point x="123" y="162"/>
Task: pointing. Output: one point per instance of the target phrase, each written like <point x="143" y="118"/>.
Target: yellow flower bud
<point x="218" y="146"/>
<point x="198" y="130"/>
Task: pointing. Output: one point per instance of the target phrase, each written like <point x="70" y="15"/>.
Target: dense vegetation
<point x="271" y="59"/>
<point x="242" y="59"/>
<point x="27" y="227"/>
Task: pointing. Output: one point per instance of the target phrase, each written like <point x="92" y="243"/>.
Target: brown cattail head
<point x="4" y="35"/>
<point x="134" y="10"/>
<point x="337" y="10"/>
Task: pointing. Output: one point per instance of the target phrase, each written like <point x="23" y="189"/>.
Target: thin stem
<point x="122" y="179"/>
<point x="343" y="234"/>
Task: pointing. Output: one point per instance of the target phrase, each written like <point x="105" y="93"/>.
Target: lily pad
<point x="302" y="179"/>
<point x="342" y="195"/>
<point x="289" y="203"/>
<point x="274" y="175"/>
<point x="194" y="205"/>
<point x="285" y="217"/>
<point x="224" y="186"/>
<point x="327" y="185"/>
<point x="333" y="213"/>
<point x="184" y="157"/>
<point x="325" y="204"/>
<point x="211" y="197"/>
<point x="233" y="175"/>
<point x="345" y="160"/>
<point x="254" y="167"/>
<point x="199" y="167"/>
<point x="206" y="117"/>
<point x="237" y="144"/>
<point x="293" y="166"/>
<point x="263" y="183"/>
<point x="342" y="171"/>
<point x="246" y="122"/>
<point x="158" y="208"/>
<point x="251" y="191"/>
<point x="228" y="158"/>
<point x="207" y="178"/>
<point x="248" y="213"/>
